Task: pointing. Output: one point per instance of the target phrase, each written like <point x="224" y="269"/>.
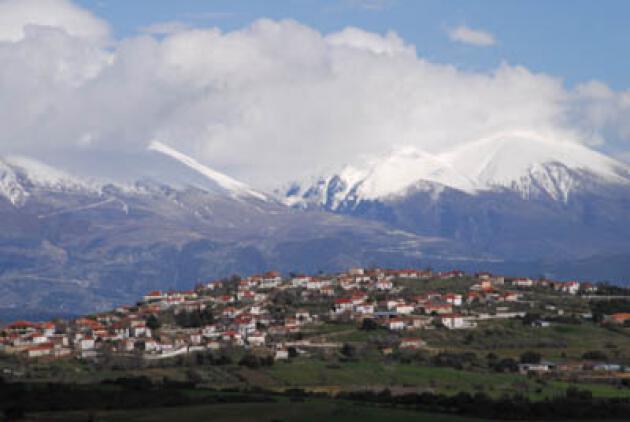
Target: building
<point x="454" y="299"/>
<point x="395" y="324"/>
<point x="618" y="318"/>
<point x="384" y="285"/>
<point x="411" y="343"/>
<point x="528" y="368"/>
<point x="437" y="308"/>
<point x="343" y="305"/>
<point x="154" y="296"/>
<point x="404" y="309"/>
<point x="256" y="338"/>
<point x="40" y="350"/>
<point x="456" y="322"/>
<point x="282" y="353"/>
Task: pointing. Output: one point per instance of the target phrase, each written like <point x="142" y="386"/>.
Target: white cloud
<point x="16" y="16"/>
<point x="272" y="101"/>
<point x="604" y="109"/>
<point x="466" y="35"/>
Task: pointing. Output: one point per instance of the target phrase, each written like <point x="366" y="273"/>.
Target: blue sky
<point x="576" y="40"/>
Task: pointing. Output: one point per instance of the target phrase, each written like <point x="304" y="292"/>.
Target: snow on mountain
<point x="42" y="175"/>
<point x="233" y="187"/>
<point x="404" y="168"/>
<point x="163" y="168"/>
<point x="10" y="187"/>
<point x="20" y="176"/>
<point x="526" y="163"/>
<point x="531" y="164"/>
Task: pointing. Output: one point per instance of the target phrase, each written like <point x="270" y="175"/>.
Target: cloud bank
<point x="266" y="103"/>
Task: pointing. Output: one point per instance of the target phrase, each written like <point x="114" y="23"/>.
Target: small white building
<point x="364" y="308"/>
<point x="256" y="338"/>
<point x="384" y="285"/>
<point x="395" y="324"/>
<point x="282" y="353"/>
<point x="456" y="322"/>
<point x="454" y="299"/>
<point x="86" y="343"/>
<point x="404" y="308"/>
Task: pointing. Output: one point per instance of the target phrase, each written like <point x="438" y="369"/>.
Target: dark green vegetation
<point x="311" y="410"/>
<point x="140" y="399"/>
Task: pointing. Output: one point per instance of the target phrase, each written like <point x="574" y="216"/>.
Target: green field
<point x="558" y="342"/>
<point x="318" y="375"/>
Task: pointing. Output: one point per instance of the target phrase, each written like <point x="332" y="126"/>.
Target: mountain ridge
<point x="530" y="166"/>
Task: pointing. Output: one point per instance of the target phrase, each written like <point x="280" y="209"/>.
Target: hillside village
<point x="282" y="317"/>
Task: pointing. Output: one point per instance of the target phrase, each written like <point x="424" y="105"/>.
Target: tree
<point x="595" y="355"/>
<point x="194" y="319"/>
<point x="348" y="350"/>
<point x="369" y="324"/>
<point x="530" y="317"/>
<point x="531" y="357"/>
<point x="153" y="322"/>
<point x="249" y="360"/>
<point x="506" y="365"/>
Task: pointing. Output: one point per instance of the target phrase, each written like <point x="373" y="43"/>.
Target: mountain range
<point x="511" y="203"/>
<point x="515" y="197"/>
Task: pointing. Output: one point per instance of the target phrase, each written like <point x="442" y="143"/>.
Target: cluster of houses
<point x="241" y="314"/>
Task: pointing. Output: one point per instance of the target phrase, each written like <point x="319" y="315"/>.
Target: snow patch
<point x="234" y="187"/>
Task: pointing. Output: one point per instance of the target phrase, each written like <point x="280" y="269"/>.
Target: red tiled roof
<point x="22" y="324"/>
<point x="343" y="300"/>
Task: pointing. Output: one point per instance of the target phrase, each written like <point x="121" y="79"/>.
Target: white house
<point x="404" y="308"/>
<point x="396" y="324"/>
<point x="411" y="343"/>
<point x="256" y="338"/>
<point x="281" y="353"/>
<point x="364" y="308"/>
<point x="86" y="343"/>
<point x="384" y="285"/>
<point x="454" y="299"/>
<point x="571" y="287"/>
<point x="39" y="350"/>
<point x="154" y="296"/>
<point x="343" y="304"/>
<point x="456" y="322"/>
<point x="300" y="280"/>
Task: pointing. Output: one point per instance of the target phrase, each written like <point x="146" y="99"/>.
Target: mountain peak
<point x="527" y="163"/>
<point x="19" y="176"/>
<point x="234" y="188"/>
<point x="506" y="158"/>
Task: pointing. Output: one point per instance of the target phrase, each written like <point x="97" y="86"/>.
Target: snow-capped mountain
<point x="20" y="177"/>
<point x="528" y="164"/>
<point x="515" y="197"/>
<point x="67" y="244"/>
<point x="533" y="165"/>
